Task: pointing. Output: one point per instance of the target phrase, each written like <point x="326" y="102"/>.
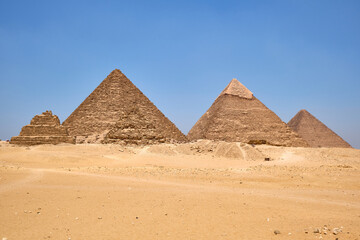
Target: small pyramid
<point x="100" y="117"/>
<point x="44" y="128"/>
<point x="315" y="132"/>
<point x="238" y="116"/>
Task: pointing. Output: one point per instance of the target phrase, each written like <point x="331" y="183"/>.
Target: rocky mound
<point x="43" y="129"/>
<point x="239" y="151"/>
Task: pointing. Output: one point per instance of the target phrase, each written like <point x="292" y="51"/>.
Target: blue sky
<point x="291" y="54"/>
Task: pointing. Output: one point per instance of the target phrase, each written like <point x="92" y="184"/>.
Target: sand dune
<point x="201" y="190"/>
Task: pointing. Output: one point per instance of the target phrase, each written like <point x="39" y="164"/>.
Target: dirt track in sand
<point x="178" y="192"/>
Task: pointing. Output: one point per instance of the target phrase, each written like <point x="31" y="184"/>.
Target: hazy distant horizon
<point x="292" y="55"/>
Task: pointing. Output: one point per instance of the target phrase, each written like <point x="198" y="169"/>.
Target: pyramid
<point x="44" y="128"/>
<point x="315" y="132"/>
<point x="238" y="116"/>
<point x="103" y="116"/>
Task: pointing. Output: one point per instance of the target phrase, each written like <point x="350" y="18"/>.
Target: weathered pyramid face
<point x="99" y="117"/>
<point x="315" y="132"/>
<point x="44" y="128"/>
<point x="238" y="116"/>
<point x="135" y="128"/>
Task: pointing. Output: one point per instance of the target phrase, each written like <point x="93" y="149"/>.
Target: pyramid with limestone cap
<point x="315" y="132"/>
<point x="238" y="116"/>
<point x="103" y="116"/>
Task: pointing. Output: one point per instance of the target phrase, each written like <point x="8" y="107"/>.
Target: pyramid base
<point x="38" y="140"/>
<point x="134" y="141"/>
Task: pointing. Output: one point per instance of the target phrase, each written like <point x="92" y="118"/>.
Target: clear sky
<point x="291" y="54"/>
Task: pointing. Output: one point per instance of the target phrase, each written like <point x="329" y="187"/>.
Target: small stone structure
<point x="43" y="129"/>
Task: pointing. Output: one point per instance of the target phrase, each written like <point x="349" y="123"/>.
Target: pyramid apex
<point x="116" y="71"/>
<point x="236" y="88"/>
<point x="304" y="112"/>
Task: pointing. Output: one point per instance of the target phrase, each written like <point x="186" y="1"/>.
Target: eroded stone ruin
<point x="238" y="116"/>
<point x="43" y="129"/>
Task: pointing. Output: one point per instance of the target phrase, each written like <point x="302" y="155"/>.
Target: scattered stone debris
<point x="276" y="232"/>
<point x="336" y="231"/>
<point x="325" y="230"/>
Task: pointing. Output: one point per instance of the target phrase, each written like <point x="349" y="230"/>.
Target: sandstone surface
<point x="198" y="190"/>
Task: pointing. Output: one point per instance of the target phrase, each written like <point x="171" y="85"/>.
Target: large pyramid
<point x="103" y="116"/>
<point x="238" y="116"/>
<point x="315" y="132"/>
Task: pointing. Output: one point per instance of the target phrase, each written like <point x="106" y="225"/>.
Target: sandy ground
<point x="202" y="190"/>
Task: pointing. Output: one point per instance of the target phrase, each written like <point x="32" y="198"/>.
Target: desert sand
<point x="201" y="190"/>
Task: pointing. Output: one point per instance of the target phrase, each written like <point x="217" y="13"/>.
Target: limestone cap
<point x="236" y="88"/>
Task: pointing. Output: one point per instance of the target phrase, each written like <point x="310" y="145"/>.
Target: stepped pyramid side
<point x="106" y="105"/>
<point x="315" y="132"/>
<point x="43" y="129"/>
<point x="239" y="117"/>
